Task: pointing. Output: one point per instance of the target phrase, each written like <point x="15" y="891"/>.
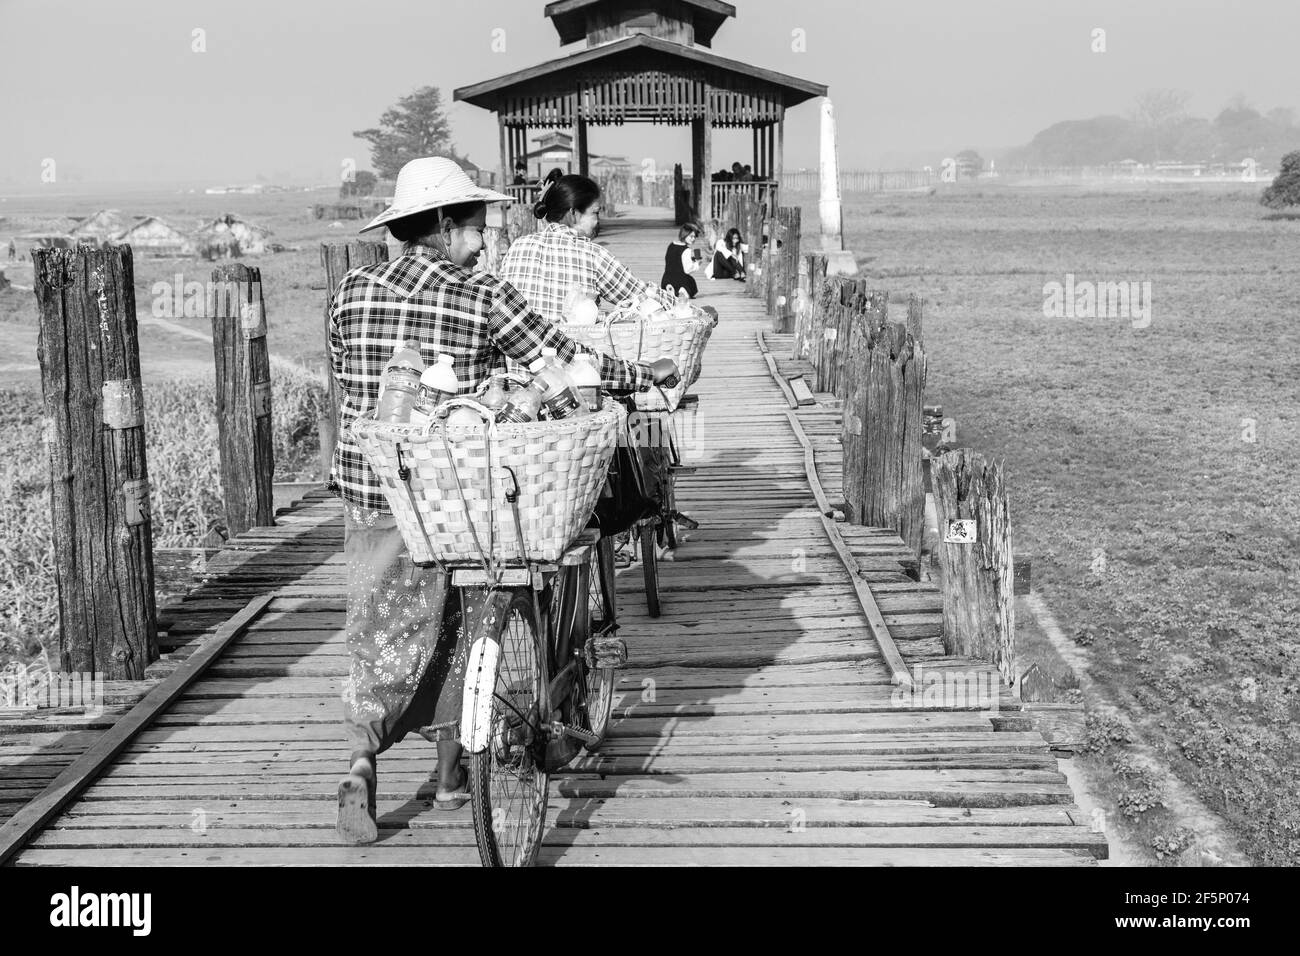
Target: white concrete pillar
<point x="832" y="233"/>
<point x="838" y="260"/>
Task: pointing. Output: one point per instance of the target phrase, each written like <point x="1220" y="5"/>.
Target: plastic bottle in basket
<point x="683" y="308"/>
<point x="437" y="384"/>
<point x="400" y="385"/>
<point x="524" y="404"/>
<point x="586" y="377"/>
<point x="560" y="396"/>
<point x="496" y="393"/>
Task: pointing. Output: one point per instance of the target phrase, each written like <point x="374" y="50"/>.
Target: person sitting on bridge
<point x="560" y="255"/>
<point x="407" y="661"/>
<point x="680" y="260"/>
<point x="728" y="257"/>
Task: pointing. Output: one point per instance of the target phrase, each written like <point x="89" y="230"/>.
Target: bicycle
<point x="657" y="532"/>
<point x="539" y="682"/>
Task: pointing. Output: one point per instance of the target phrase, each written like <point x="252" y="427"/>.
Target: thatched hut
<point x="158" y="237"/>
<point x="102" y="227"/>
<point x="230" y="236"/>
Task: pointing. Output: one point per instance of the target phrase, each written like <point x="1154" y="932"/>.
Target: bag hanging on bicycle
<point x="627" y="497"/>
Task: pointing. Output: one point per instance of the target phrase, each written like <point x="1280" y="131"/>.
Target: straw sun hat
<point x="428" y="183"/>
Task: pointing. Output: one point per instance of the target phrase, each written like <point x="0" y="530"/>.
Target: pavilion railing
<point x="756" y="190"/>
<point x="525" y="194"/>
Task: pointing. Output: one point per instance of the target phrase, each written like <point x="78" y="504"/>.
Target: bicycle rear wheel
<point x="508" y="781"/>
<point x="598" y="689"/>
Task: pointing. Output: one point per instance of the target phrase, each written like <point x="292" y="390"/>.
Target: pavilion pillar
<point x="778" y="152"/>
<point x="706" y="182"/>
<point x="580" y="145"/>
<point x="697" y="166"/>
<point x="507" y="161"/>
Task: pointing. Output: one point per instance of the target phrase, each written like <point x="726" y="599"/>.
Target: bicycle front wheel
<point x="508" y="780"/>
<point x="649" y="533"/>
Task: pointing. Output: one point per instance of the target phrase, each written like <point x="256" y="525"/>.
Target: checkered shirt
<point x="544" y="265"/>
<point x="476" y="318"/>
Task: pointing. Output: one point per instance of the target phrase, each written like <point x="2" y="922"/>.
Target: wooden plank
<point x="74" y="780"/>
<point x="875" y="620"/>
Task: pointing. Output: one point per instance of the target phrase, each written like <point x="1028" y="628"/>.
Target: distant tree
<point x="363" y="184"/>
<point x="1158" y="114"/>
<point x="415" y="127"/>
<point x="1285" y="190"/>
<point x="969" y="164"/>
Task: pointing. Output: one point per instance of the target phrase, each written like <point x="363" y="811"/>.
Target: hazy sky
<point x="113" y="90"/>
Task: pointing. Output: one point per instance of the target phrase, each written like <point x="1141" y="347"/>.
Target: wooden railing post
<point x="914" y="317"/>
<point x="99" y="484"/>
<point x="243" y="368"/>
<point x="339" y="258"/>
<point x="755" y="213"/>
<point x="884" y="384"/>
<point x="814" y="321"/>
<point x="787" y="271"/>
<point x="979" y="617"/>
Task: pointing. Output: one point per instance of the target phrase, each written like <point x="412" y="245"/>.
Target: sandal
<point x="358" y="792"/>
<point x="453" y="799"/>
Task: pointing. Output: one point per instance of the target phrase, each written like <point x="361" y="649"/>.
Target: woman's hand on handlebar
<point x="665" y="372"/>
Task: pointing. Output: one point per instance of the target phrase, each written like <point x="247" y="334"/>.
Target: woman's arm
<point x="616" y="283"/>
<point x="689" y="264"/>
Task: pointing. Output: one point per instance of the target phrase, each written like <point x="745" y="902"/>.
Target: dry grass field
<point x="1164" y="538"/>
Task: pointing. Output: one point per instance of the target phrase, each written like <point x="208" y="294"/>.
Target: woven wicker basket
<point x="560" y="467"/>
<point x="645" y="340"/>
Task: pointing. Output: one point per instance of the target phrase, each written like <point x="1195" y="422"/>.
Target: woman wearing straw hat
<point x="406" y="668"/>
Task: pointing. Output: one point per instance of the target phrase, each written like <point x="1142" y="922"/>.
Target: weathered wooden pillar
<point x="787" y="254"/>
<point x="975" y="562"/>
<point x="856" y="428"/>
<point x="243" y="368"/>
<point x="338" y="258"/>
<point x="914" y="316"/>
<point x="99" y="483"/>
<point x="814" y="323"/>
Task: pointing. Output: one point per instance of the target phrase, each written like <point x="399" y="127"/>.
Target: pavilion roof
<point x="640" y="52"/>
<point x="569" y="17"/>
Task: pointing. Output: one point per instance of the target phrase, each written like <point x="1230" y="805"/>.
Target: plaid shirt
<point x="544" y="265"/>
<point x="476" y="318"/>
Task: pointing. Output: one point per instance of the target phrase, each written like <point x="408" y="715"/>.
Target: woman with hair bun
<point x="561" y="255"/>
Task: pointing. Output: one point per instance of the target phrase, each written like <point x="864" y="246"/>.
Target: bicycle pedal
<point x="609" y="652"/>
<point x="559" y="730"/>
<point x="686" y="522"/>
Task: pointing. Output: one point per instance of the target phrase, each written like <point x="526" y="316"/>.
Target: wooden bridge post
<point x="243" y="368"/>
<point x="99" y="484"/>
<point x="807" y="343"/>
<point x="787" y="276"/>
<point x="884" y="384"/>
<point x="914" y="316"/>
<point x="975" y="562"/>
<point x="339" y="258"/>
<point x="753" y="232"/>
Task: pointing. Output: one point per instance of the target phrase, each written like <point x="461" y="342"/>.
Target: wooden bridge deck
<point x="755" y="724"/>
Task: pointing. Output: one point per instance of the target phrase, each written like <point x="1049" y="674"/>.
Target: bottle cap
<point x="547" y="352"/>
<point x="447" y="359"/>
<point x="537" y="365"/>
